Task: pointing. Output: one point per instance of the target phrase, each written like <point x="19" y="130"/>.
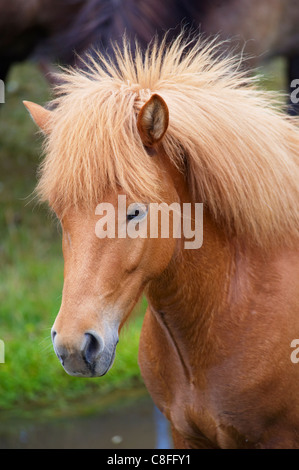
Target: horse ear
<point x="153" y="120"/>
<point x="40" y="115"/>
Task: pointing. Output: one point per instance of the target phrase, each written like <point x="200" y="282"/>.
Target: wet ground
<point x="127" y="423"/>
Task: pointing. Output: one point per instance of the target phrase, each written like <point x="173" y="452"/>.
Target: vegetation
<point x="31" y="268"/>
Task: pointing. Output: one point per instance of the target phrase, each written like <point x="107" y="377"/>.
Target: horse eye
<point x="132" y="216"/>
<point x="138" y="212"/>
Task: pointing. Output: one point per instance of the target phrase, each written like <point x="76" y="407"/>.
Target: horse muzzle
<point x="90" y="356"/>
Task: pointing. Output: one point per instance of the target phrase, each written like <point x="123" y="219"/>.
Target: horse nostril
<point x="93" y="346"/>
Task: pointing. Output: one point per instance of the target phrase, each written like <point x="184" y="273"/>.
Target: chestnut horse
<point x="175" y="124"/>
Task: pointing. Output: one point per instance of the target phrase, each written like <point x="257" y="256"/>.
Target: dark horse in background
<point x="54" y="31"/>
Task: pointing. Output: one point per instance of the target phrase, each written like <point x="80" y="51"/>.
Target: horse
<point x="65" y="31"/>
<point x="177" y="125"/>
<point x="29" y="26"/>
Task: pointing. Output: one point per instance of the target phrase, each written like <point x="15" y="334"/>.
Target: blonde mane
<point x="240" y="150"/>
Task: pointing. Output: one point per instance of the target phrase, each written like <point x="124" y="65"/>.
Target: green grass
<point x="31" y="267"/>
<point x="31" y="271"/>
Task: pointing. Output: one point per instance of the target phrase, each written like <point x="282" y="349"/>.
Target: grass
<point x="31" y="268"/>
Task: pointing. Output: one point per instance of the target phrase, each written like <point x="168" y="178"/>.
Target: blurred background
<point x="40" y="405"/>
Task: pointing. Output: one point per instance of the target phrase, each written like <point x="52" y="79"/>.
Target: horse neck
<point x="190" y="292"/>
<point x="185" y="298"/>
